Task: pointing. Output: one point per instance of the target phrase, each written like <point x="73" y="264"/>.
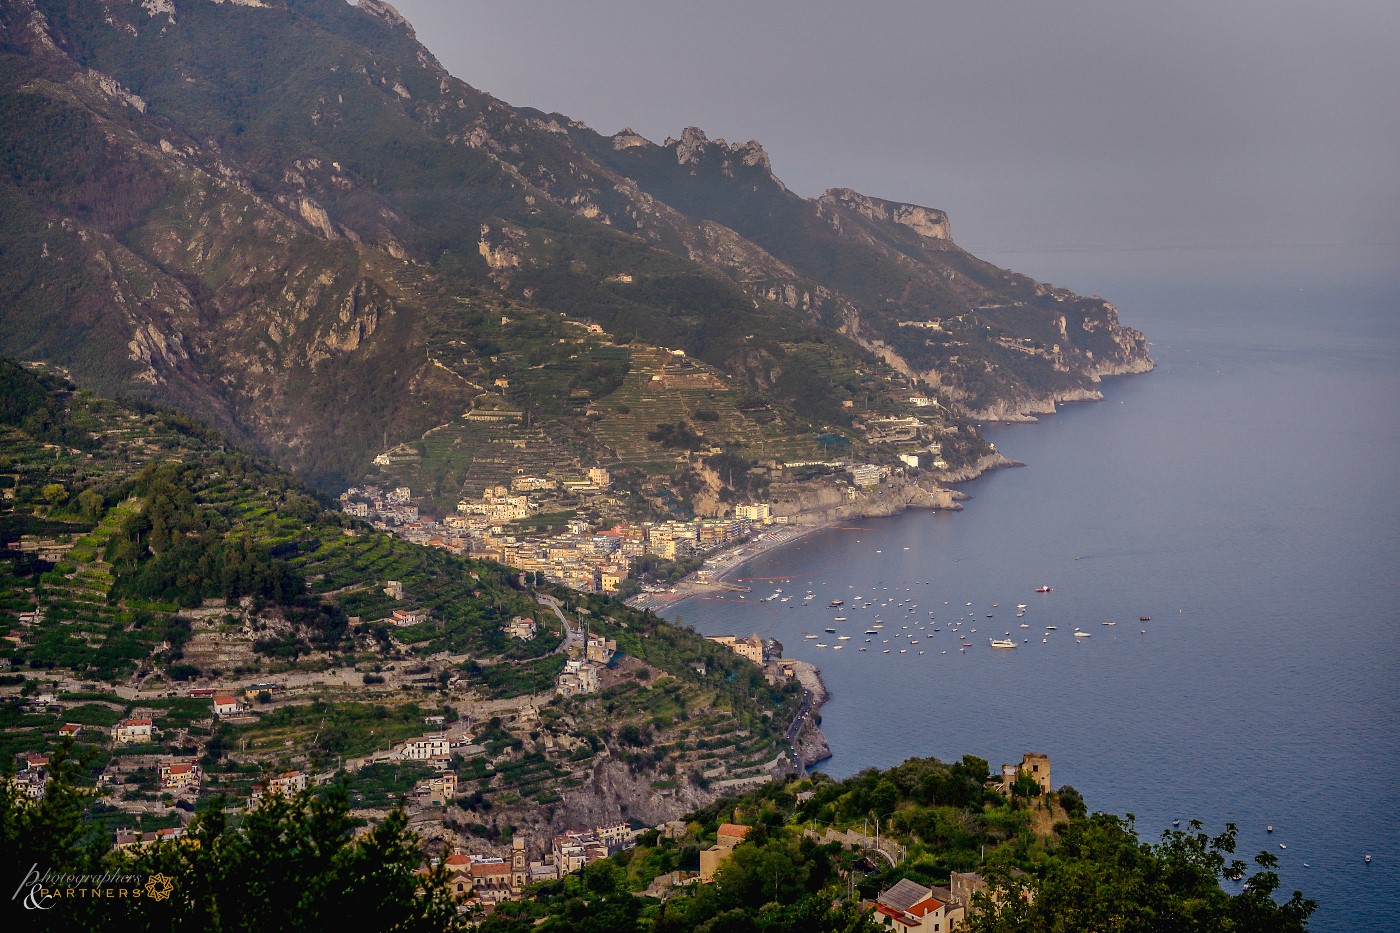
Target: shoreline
<point x="719" y="569"/>
<point x="723" y="564"/>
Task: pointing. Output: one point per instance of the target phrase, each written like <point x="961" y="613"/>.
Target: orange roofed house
<point x="131" y="731"/>
<point x="226" y="704"/>
<point x="729" y="836"/>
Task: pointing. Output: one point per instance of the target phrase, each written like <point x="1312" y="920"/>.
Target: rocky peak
<point x="628" y="138"/>
<point x="381" y="10"/>
<point x="691" y="145"/>
<point x="927" y="222"/>
<point x="694" y="144"/>
<point x="751" y="153"/>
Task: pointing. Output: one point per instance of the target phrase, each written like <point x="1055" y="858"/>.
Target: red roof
<point x="734" y="829"/>
<point x="490" y="868"/>
<point x="889" y="911"/>
<point x="180" y="769"/>
<point x="224" y="699"/>
<point x="913" y="915"/>
<point x="457" y="861"/>
<point x="69" y="728"/>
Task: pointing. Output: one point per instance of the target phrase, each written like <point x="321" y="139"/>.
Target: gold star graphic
<point x="158" y="887"/>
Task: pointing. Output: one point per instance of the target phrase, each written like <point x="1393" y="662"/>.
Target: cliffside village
<point x="482" y="879"/>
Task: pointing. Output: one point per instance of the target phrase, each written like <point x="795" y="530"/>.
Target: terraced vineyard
<point x="661" y="388"/>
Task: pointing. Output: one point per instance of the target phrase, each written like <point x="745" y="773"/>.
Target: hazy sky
<point x="1267" y="131"/>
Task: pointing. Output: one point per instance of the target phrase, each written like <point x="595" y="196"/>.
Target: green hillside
<point x="159" y="559"/>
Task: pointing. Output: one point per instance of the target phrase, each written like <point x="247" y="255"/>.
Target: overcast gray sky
<point x="1221" y="133"/>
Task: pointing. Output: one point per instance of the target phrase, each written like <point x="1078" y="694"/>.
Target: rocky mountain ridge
<point x="287" y="217"/>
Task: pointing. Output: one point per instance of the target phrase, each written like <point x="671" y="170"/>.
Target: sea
<point x="1236" y="513"/>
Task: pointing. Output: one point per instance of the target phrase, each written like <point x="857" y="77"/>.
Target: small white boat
<point x="1081" y="635"/>
<point x="1021" y="606"/>
<point x="809" y="635"/>
<point x="1283" y="845"/>
<point x="838" y="648"/>
<point x="1002" y="643"/>
<point x="843" y="638"/>
<point x="821" y="644"/>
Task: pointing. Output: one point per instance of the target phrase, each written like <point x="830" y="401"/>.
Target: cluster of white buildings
<point x="392" y="507"/>
<point x="580" y="556"/>
<point x="599" y="561"/>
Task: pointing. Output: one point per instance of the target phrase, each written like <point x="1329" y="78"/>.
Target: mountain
<point x="286" y="217"/>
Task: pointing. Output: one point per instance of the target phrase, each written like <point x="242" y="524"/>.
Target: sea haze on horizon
<point x="1242" y="496"/>
<point x="1263" y="132"/>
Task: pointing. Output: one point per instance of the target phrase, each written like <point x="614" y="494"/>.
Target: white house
<point x="131" y="731"/>
<point x="425" y="748"/>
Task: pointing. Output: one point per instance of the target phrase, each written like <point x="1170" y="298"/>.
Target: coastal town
<point x="575" y="527"/>
<point x="577" y="553"/>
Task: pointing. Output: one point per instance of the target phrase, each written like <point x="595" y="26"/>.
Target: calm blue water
<point x="1244" y="496"/>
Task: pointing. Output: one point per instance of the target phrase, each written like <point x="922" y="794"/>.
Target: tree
<point x="293" y="864"/>
<point x="1102" y="877"/>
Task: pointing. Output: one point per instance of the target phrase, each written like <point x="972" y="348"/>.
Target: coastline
<point x="715" y="576"/>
